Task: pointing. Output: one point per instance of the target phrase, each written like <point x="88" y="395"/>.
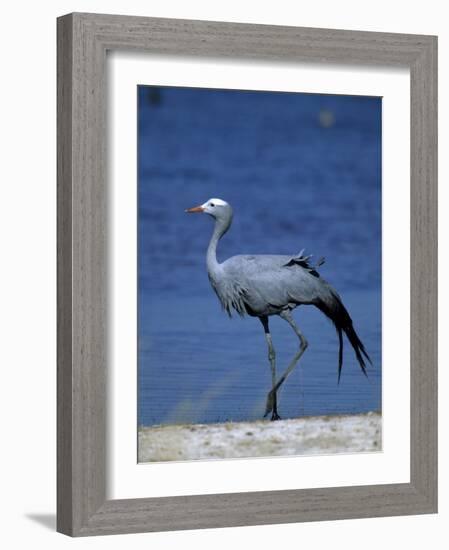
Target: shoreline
<point x="311" y="435"/>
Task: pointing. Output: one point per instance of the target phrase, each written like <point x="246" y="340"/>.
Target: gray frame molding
<point x="83" y="40"/>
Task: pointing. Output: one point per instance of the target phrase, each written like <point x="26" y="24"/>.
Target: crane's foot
<point x="271" y="406"/>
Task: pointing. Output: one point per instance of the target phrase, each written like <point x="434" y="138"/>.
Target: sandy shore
<point x="300" y="436"/>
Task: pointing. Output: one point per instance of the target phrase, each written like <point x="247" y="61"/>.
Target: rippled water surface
<point x="301" y="171"/>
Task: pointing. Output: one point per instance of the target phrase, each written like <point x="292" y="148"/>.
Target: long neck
<point x="213" y="267"/>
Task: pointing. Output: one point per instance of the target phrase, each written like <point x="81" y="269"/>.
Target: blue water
<point x="301" y="171"/>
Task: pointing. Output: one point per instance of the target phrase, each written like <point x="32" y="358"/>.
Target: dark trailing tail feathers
<point x="333" y="308"/>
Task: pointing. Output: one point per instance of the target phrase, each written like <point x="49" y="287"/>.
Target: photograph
<point x="259" y="273"/>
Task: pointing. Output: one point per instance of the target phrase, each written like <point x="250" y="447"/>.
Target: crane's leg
<point x="272" y="406"/>
<point x="287" y="316"/>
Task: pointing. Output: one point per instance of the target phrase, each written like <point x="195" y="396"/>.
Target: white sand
<point x="300" y="436"/>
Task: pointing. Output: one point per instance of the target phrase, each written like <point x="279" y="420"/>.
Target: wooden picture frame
<point x="83" y="40"/>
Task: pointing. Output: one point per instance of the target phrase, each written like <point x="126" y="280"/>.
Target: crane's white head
<point x="217" y="208"/>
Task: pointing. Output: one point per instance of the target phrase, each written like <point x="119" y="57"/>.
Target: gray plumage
<point x="265" y="285"/>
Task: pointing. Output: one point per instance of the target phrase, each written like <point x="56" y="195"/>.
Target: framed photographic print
<point x="246" y="274"/>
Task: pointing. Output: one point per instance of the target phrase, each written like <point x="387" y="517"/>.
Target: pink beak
<point x="195" y="209"/>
